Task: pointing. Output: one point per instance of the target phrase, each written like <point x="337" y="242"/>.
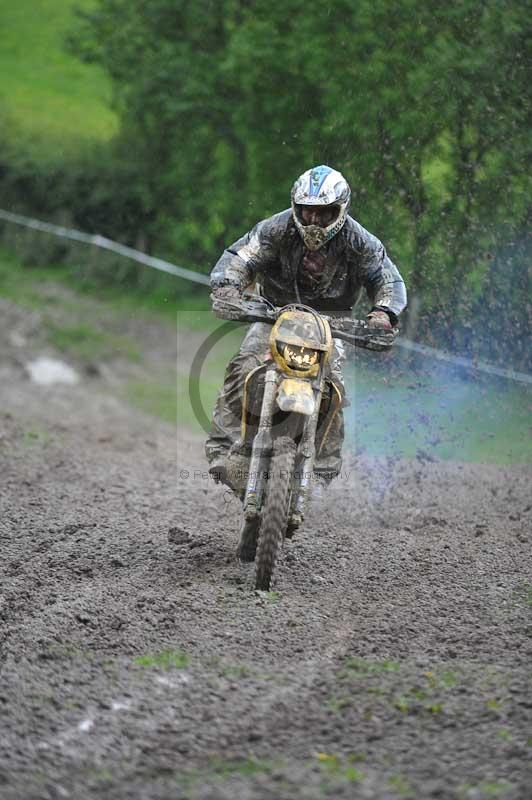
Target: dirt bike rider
<point x="313" y="253"/>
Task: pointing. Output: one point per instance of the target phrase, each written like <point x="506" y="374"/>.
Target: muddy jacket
<point x="273" y="253"/>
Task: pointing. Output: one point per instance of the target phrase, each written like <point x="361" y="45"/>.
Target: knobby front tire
<point x="275" y="511"/>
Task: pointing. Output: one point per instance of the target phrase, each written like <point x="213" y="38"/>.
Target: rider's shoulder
<point x="356" y="235"/>
<point x="353" y="228"/>
<point x="276" y="224"/>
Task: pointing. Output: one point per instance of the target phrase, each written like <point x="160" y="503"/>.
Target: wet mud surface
<point x="393" y="659"/>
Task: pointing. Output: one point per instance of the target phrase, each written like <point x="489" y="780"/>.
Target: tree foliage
<point x="425" y="107"/>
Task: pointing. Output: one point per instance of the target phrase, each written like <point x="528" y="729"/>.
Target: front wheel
<point x="275" y="510"/>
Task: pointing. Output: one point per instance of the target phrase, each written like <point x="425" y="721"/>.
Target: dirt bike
<point x="283" y="422"/>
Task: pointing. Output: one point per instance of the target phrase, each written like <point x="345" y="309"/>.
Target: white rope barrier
<point x="189" y="275"/>
<point x="106" y="244"/>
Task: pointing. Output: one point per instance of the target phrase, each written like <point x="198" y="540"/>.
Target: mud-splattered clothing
<point x="274" y="253"/>
<point x="329" y="280"/>
<point x="227" y="416"/>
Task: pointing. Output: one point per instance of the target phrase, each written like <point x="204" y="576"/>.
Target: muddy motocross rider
<point x="316" y="254"/>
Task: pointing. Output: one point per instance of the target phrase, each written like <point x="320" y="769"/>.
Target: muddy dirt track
<point x="394" y="658"/>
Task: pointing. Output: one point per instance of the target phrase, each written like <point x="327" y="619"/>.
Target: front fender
<point x="296" y="394"/>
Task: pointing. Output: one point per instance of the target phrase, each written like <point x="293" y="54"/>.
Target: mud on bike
<point x="288" y="406"/>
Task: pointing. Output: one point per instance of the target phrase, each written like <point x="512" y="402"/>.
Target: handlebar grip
<point x="224" y="309"/>
<point x="353" y="331"/>
<point x="367" y="337"/>
<point x="241" y="311"/>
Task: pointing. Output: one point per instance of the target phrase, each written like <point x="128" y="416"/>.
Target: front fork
<point x="307" y="451"/>
<point x="262" y="444"/>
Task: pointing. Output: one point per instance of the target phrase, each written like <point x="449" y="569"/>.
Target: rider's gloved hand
<point x="226" y="293"/>
<point x="379" y="319"/>
<point x="226" y="302"/>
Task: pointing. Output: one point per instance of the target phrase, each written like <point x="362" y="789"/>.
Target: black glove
<point x="226" y="302"/>
<point x="226" y="293"/>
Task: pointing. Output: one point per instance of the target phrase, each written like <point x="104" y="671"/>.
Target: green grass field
<point x="23" y="282"/>
<point x="50" y="101"/>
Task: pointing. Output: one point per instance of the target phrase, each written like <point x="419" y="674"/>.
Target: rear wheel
<point x="275" y="511"/>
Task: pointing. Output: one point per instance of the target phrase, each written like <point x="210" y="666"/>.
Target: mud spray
<point x="406" y="406"/>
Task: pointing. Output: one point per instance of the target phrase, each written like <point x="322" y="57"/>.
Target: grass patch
<point x="435" y="414"/>
<point x="448" y="679"/>
<point x="337" y="704"/>
<point x="29" y="286"/>
<point x="391" y="689"/>
<point x="426" y="698"/>
<point x="227" y="670"/>
<point x="365" y="667"/>
<point x="21" y="285"/>
<point x="218" y="770"/>
<point x="49" y="97"/>
<point x="486" y="790"/>
<point x="523" y="594"/>
<point x="168" y="659"/>
<point x="268" y="597"/>
<point x="156" y="399"/>
<point x="339" y="768"/>
<point x="247" y="767"/>
<point x="416" y="701"/>
<point x="400" y="786"/>
<point x="236" y="671"/>
<point x="36" y="437"/>
<point x="89" y="343"/>
<point x="100" y="775"/>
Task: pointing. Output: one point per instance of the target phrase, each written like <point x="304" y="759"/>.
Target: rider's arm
<point x="251" y="254"/>
<point x="381" y="278"/>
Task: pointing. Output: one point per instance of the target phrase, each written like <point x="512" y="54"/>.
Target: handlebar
<point x="257" y="309"/>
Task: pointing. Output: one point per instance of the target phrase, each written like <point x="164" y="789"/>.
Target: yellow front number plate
<point x="296" y="395"/>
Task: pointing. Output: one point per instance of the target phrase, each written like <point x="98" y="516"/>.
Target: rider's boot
<point x="294" y="523"/>
<point x="218" y="469"/>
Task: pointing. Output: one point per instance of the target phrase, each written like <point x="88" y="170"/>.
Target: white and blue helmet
<point x="320" y="186"/>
